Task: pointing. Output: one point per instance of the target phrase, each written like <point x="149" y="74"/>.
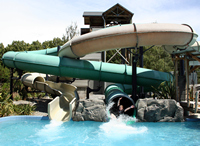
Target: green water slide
<point x="41" y="62"/>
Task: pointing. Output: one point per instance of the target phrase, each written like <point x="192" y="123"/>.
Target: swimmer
<point x="121" y="109"/>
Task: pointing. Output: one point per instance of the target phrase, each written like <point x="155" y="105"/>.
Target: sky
<point x="43" y="20"/>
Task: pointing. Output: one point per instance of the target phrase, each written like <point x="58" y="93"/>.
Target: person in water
<point x="121" y="109"/>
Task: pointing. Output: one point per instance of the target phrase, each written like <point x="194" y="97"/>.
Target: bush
<point x="7" y="107"/>
<point x="166" y="90"/>
<point x="24" y="109"/>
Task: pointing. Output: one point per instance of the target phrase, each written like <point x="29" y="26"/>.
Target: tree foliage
<point x="166" y="90"/>
<point x="17" y="46"/>
<point x="36" y="45"/>
<point x="23" y="46"/>
<point x="7" y="107"/>
<point x="158" y="59"/>
<point x="155" y="58"/>
<point x="2" y="50"/>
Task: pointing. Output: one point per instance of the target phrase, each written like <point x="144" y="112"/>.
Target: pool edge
<point x="38" y="118"/>
<point x="23" y="117"/>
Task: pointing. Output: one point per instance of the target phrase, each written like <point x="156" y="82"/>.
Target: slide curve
<point x="59" y="109"/>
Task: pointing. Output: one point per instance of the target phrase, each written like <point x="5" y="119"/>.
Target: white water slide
<point x="59" y="109"/>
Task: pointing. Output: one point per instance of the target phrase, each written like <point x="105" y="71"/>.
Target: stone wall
<point x="90" y="110"/>
<point x="161" y="110"/>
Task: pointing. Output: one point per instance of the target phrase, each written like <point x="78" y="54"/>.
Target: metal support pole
<point x="58" y="49"/>
<point x="123" y="54"/>
<point x="134" y="76"/>
<point x="57" y="79"/>
<point x="11" y="83"/>
<point x="182" y="72"/>
<point x="141" y="56"/>
<point x="182" y="69"/>
<point x="46" y="94"/>
<point x="187" y="83"/>
<point x="176" y="79"/>
<point x="103" y="58"/>
<point x="91" y="90"/>
<point x="141" y="65"/>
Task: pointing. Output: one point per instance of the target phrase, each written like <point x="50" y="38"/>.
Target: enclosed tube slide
<point x="115" y="91"/>
<point x="59" y="109"/>
<point x="61" y="66"/>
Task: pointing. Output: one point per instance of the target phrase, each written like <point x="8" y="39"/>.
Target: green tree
<point x="46" y="44"/>
<point x="52" y="43"/>
<point x="157" y="59"/>
<point x="4" y="74"/>
<point x="36" y="45"/>
<point x="1" y="50"/>
<point x="57" y="42"/>
<point x="18" y="46"/>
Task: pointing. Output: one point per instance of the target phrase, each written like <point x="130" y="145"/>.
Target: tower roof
<point x="115" y="13"/>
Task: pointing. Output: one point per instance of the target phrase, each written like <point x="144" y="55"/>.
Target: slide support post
<point x="134" y="76"/>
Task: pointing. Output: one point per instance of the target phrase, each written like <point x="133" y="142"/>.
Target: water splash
<point x="109" y="106"/>
<point x="50" y="132"/>
<point x="127" y="119"/>
<point x="123" y="118"/>
<point x="119" y="128"/>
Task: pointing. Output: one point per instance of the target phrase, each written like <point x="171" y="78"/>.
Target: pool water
<point x="115" y="132"/>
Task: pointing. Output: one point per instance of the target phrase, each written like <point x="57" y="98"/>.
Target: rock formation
<point x="148" y="110"/>
<point x="90" y="110"/>
<point x="161" y="110"/>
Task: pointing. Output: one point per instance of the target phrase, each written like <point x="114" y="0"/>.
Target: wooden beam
<point x="196" y="54"/>
<point x="194" y="57"/>
<point x="114" y="15"/>
<point x="195" y="67"/>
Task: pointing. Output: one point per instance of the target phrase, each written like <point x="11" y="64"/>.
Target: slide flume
<point x="59" y="109"/>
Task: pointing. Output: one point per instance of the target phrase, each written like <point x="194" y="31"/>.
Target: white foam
<point x="109" y="106"/>
<point x="50" y="132"/>
<point x="117" y="129"/>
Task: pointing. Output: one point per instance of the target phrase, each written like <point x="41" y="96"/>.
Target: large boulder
<point x="90" y="110"/>
<point x="159" y="110"/>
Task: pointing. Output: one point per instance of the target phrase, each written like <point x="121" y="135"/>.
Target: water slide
<point x="64" y="62"/>
<point x="61" y="107"/>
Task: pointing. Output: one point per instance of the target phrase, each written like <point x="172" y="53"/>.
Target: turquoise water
<point x="115" y="132"/>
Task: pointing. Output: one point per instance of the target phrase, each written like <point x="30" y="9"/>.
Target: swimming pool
<point x="41" y="131"/>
